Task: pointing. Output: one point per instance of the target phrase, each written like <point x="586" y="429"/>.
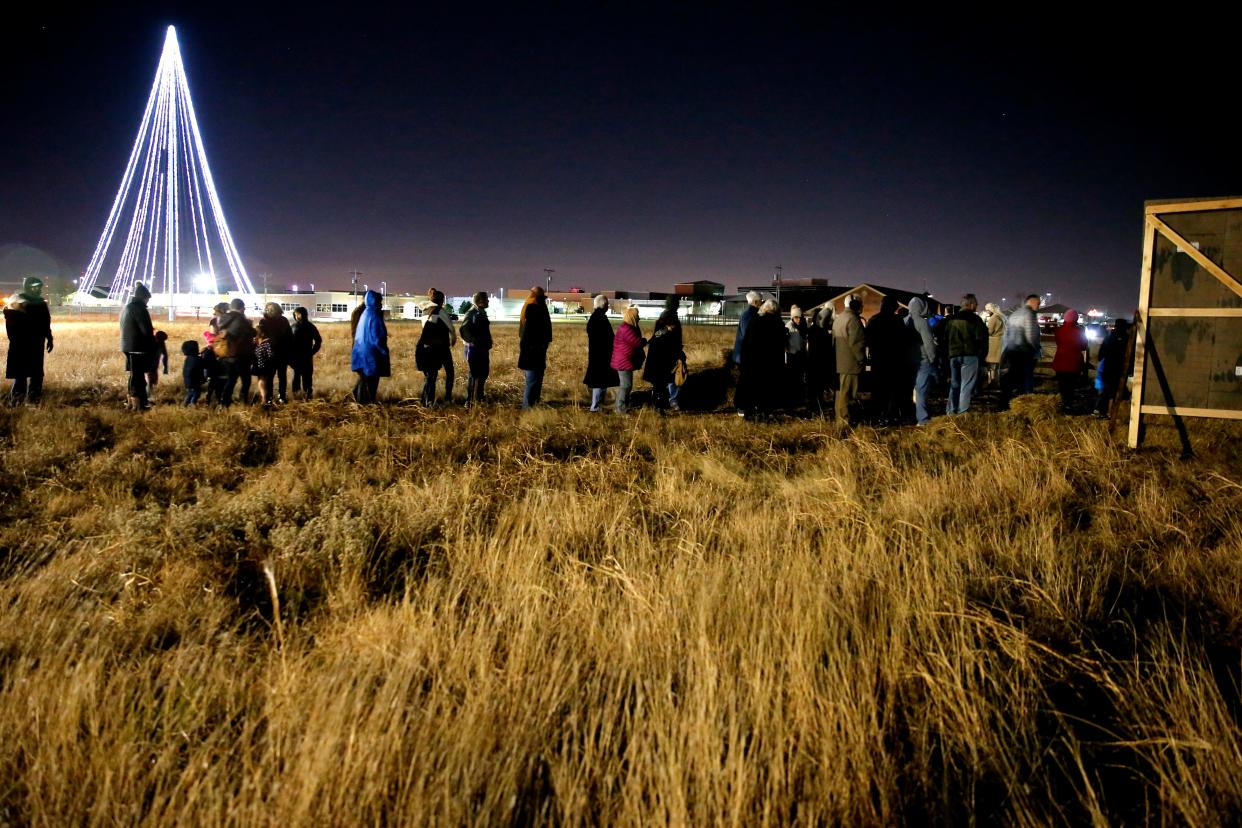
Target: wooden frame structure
<point x="1167" y="297"/>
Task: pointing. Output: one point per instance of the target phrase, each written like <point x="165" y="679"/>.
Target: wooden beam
<point x="1206" y="313"/>
<point x="1140" y="335"/>
<point x="1180" y="411"/>
<point x="1193" y="252"/>
<point x="1155" y="208"/>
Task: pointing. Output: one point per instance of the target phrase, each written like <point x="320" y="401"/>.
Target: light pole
<point x="776" y="280"/>
<point x="547" y="273"/>
<point x="383" y="288"/>
<point x="355" y="274"/>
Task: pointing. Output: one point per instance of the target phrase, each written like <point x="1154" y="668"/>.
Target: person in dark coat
<point x="663" y="352"/>
<point x="600" y="375"/>
<point x="234" y="345"/>
<point x="1111" y="368"/>
<point x="763" y="362"/>
<point x="369" y="356"/>
<point x="28" y="324"/>
<point x="888" y="347"/>
<point x="821" y="362"/>
<point x="753" y="301"/>
<point x="534" y="337"/>
<point x="193" y="371"/>
<point x="280" y="335"/>
<point x="138" y="345"/>
<point x="305" y="342"/>
<point x="476" y="332"/>
<point x="967" y="336"/>
<point x="432" y="350"/>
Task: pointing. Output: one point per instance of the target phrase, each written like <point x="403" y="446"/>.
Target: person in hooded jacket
<point x="28" y="324"/>
<point x="476" y="332"/>
<point x="627" y="356"/>
<point x="887" y="346"/>
<point x="1069" y="362"/>
<point x="1111" y="368"/>
<point x="432" y="350"/>
<point x="600" y="375"/>
<point x="923" y="346"/>
<point x="763" y="362"/>
<point x="305" y="341"/>
<point x="821" y="361"/>
<point x="369" y="356"/>
<point x="663" y="352"/>
<point x="234" y="345"/>
<point x="849" y="341"/>
<point x="138" y="345"/>
<point x="534" y="337"/>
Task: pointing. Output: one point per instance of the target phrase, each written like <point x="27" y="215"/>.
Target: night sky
<point x="633" y="146"/>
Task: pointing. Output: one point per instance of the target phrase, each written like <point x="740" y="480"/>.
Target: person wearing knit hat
<point x="138" y="345"/>
<point x="29" y="327"/>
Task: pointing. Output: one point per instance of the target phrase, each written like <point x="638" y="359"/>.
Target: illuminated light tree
<point x="166" y="180"/>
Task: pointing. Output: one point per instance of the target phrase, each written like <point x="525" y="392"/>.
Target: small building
<point x="872" y="295"/>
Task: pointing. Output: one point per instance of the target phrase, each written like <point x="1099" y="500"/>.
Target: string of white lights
<point x="166" y="191"/>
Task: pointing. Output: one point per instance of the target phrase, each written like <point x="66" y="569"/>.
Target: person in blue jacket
<point x="369" y="357"/>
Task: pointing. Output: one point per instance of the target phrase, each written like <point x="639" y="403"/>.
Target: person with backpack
<point x="476" y="332"/>
<point x="432" y="350"/>
<point x="305" y="342"/>
<point x="234" y="347"/>
<point x="663" y="353"/>
<point x="446" y="317"/>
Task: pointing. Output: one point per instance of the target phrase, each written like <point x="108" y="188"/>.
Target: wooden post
<point x="1140" y="334"/>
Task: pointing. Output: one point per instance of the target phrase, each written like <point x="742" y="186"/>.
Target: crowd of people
<point x="815" y="364"/>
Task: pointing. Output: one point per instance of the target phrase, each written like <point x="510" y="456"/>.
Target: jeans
<point x="26" y="389"/>
<point x="366" y="390"/>
<point x="597" y="398"/>
<point x="303" y="379"/>
<point x="533" y="390"/>
<point x="478" y="367"/>
<point x="674" y="391"/>
<point x="191" y="395"/>
<point x="623" y="392"/>
<point x="1019" y="378"/>
<point x="429" y="387"/>
<point x="923" y="381"/>
<point x="964" y="373"/>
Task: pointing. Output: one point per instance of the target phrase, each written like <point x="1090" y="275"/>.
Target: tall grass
<point x="488" y="617"/>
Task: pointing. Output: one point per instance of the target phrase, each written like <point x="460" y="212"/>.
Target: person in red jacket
<point x="627" y="355"/>
<point x="1070" y="358"/>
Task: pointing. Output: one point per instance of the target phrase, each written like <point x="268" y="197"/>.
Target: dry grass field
<point x="332" y="615"/>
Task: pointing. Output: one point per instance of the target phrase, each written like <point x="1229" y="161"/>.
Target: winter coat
<point x="849" y="340"/>
<point x="627" y="349"/>
<point x="599" y="371"/>
<point x="887" y="342"/>
<point x="1022" y="332"/>
<point x="534" y="336"/>
<point x="238" y="333"/>
<point x="663" y="349"/>
<point x="796" y="338"/>
<point x="821" y="362"/>
<point x="370" y="352"/>
<point x="476" y="329"/>
<point x="996" y="335"/>
<point x="967" y="334"/>
<point x="280" y="334"/>
<point x="1071" y="342"/>
<point x="194" y="371"/>
<point x="924" y="344"/>
<point x="29" y="327"/>
<point x="743" y="323"/>
<point x="1110" y="364"/>
<point x="306" y="343"/>
<point x="137" y="333"/>
<point x="763" y="362"/>
<point x="433" y="344"/>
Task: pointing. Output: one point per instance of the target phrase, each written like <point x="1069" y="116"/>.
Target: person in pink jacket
<point x="1070" y="358"/>
<point x="627" y="355"/>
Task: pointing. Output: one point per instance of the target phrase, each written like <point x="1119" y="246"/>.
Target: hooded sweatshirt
<point x="918" y="321"/>
<point x="1071" y="342"/>
<point x="370" y="352"/>
<point x="137" y="333"/>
